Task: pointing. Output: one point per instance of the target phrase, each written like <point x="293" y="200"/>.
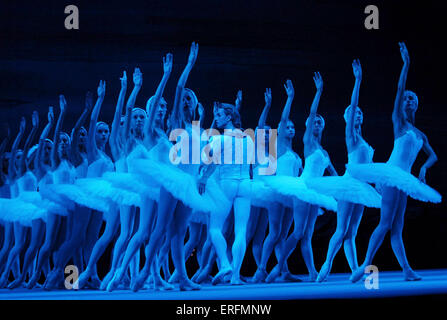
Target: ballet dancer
<point x="351" y="195"/>
<point x="395" y="176"/>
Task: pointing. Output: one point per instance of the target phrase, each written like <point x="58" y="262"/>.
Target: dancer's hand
<point x="200" y="110"/>
<point x="123" y="80"/>
<point x="318" y="81"/>
<point x="201" y="184"/>
<point x="62" y="103"/>
<point x="238" y="101"/>
<point x="88" y="101"/>
<point x="137" y="78"/>
<point x="268" y="96"/>
<point x="35" y="119"/>
<point x="193" y="52"/>
<point x="357" y="69"/>
<point x="167" y="64"/>
<point x="404" y="53"/>
<point x="422" y="174"/>
<point x="289" y="88"/>
<point x="22" y="125"/>
<point x="101" y="89"/>
<point x="50" y="115"/>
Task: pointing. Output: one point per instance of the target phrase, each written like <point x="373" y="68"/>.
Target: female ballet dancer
<point x="5" y="193"/>
<point x="28" y="185"/>
<point x="63" y="174"/>
<point x="153" y="132"/>
<point x="352" y="196"/>
<point x="306" y="201"/>
<point x="395" y="176"/>
<point x="288" y="164"/>
<point x="27" y="195"/>
<point x="179" y="193"/>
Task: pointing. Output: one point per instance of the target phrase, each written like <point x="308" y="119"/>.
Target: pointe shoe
<point x="106" y="280"/>
<point x="220" y="275"/>
<point x="188" y="285"/>
<point x="139" y="282"/>
<point x="357" y="274"/>
<point x="113" y="284"/>
<point x="410" y="275"/>
<point x="288" y="277"/>
<point x="273" y="275"/>
<point x="15" y="284"/>
<point x="174" y="277"/>
<point x="324" y="272"/>
<point x="259" y="276"/>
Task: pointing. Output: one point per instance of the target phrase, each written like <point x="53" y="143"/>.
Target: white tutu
<point x="36" y="199"/>
<point x="104" y="190"/>
<point x="262" y="195"/>
<point x="16" y="210"/>
<point x="181" y="185"/>
<point x="134" y="183"/>
<point x="69" y="194"/>
<point x="295" y="187"/>
<point x="393" y="176"/>
<point x="346" y="188"/>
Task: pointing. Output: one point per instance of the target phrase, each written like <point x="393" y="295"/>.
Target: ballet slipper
<point x="357" y="274"/>
<point x="107" y="279"/>
<point x="286" y="276"/>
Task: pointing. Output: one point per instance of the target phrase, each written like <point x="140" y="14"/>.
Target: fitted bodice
<point x="100" y="166"/>
<point x="65" y="173"/>
<point x="28" y="182"/>
<point x="362" y="154"/>
<point x="315" y="164"/>
<point x="82" y="169"/>
<point x="405" y="150"/>
<point x="288" y="164"/>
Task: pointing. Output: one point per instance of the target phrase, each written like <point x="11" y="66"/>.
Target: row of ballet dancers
<point x="56" y="195"/>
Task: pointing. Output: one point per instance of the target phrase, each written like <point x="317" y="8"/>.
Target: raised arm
<point x="350" y="130"/>
<point x="15" y="146"/>
<point x="268" y="103"/>
<point x="114" y="138"/>
<point x="92" y="150"/>
<point x="398" y="117"/>
<point x="29" y="140"/>
<point x="2" y="153"/>
<point x="54" y="156"/>
<point x="286" y="111"/>
<point x="313" y="109"/>
<point x="238" y="102"/>
<point x="175" y="117"/>
<point x="40" y="149"/>
<point x="76" y="157"/>
<point x="167" y="68"/>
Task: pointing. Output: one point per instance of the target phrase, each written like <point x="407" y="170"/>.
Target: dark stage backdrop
<point x="248" y="45"/>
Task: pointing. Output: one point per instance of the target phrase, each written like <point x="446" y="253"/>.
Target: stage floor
<point x="338" y="286"/>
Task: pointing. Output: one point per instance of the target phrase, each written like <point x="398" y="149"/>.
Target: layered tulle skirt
<point x="16" y="210"/>
<point x="393" y="176"/>
<point x="136" y="183"/>
<point x="346" y="188"/>
<point x="287" y="186"/>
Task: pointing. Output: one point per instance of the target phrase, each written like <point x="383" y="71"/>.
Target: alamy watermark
<point x="372" y="280"/>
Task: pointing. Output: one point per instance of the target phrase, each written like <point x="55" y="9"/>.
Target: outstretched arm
<point x="15" y="146"/>
<point x="29" y="140"/>
<point x="92" y="150"/>
<point x="43" y="136"/>
<point x="350" y="130"/>
<point x="175" y="121"/>
<point x="115" y="145"/>
<point x="76" y="157"/>
<point x="167" y="68"/>
<point x="398" y="117"/>
<point x="54" y="156"/>
<point x="313" y="109"/>
<point x="268" y="103"/>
